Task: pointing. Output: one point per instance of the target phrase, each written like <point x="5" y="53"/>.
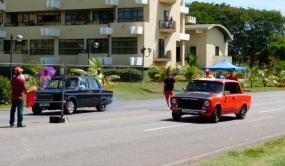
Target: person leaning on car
<point x="19" y="88"/>
<point x="168" y="88"/>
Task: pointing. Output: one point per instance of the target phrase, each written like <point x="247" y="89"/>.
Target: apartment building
<point x="57" y="31"/>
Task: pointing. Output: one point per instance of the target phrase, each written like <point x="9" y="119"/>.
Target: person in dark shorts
<point x="19" y="88"/>
<point x="168" y="88"/>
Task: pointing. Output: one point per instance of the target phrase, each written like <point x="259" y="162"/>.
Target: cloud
<point x="258" y="4"/>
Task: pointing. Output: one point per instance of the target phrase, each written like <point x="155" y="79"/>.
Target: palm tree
<point x="94" y="64"/>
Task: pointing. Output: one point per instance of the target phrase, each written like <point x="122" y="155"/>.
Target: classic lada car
<point x="77" y="92"/>
<point x="211" y="98"/>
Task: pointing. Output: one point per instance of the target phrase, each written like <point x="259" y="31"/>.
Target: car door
<point x="84" y="93"/>
<point x="95" y="90"/>
<point x="230" y="98"/>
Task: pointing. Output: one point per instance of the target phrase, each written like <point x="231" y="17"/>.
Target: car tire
<point x="216" y="115"/>
<point x="101" y="107"/>
<point x="70" y="107"/>
<point x="37" y="110"/>
<point x="176" y="117"/>
<point x="242" y="113"/>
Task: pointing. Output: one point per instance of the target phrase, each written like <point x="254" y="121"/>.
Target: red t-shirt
<point x="18" y="88"/>
<point x="233" y="78"/>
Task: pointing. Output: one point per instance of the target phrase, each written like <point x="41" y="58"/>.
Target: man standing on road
<point x="18" y="90"/>
<point x="168" y="88"/>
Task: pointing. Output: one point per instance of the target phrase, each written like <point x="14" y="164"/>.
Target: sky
<point x="258" y="4"/>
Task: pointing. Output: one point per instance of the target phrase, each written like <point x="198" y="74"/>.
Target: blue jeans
<point x="19" y="104"/>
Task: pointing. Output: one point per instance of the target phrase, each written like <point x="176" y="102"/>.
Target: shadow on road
<point x="199" y="120"/>
<point x="50" y="113"/>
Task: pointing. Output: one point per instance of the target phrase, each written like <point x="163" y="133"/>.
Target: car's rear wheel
<point x="37" y="110"/>
<point x="176" y="117"/>
<point x="216" y="116"/>
<point x="101" y="108"/>
<point x="70" y="107"/>
<point x="242" y="113"/>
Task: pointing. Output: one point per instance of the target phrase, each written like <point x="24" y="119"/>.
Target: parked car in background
<point x="78" y="92"/>
<point x="211" y="98"/>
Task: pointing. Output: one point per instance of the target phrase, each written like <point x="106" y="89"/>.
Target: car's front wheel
<point x="101" y="107"/>
<point x="242" y="113"/>
<point x="70" y="107"/>
<point x="37" y="110"/>
<point x="216" y="116"/>
<point x="176" y="117"/>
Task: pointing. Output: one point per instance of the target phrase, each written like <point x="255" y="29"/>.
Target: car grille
<point x="188" y="103"/>
<point x="45" y="97"/>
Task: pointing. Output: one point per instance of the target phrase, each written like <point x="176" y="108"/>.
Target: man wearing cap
<point x="19" y="88"/>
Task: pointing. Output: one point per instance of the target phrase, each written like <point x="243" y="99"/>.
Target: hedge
<point x="125" y="74"/>
<point x="5" y="90"/>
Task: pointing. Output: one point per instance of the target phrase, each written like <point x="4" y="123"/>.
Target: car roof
<point x="57" y="77"/>
<point x="215" y="80"/>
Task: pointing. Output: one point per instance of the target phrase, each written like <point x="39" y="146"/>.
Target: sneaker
<point x="21" y="125"/>
<point x="11" y="124"/>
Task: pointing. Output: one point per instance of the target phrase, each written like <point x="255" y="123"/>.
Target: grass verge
<point x="271" y="153"/>
<point x="4" y="106"/>
<point x="265" y="89"/>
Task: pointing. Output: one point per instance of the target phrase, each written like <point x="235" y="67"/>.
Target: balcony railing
<point x="167" y="1"/>
<point x="55" y="4"/>
<point x="106" y="30"/>
<point x="191" y="20"/>
<point x="2" y="6"/>
<point x="164" y="57"/>
<point x="184" y="9"/>
<point x="50" y="32"/>
<point x="167" y="26"/>
<point x="136" y="30"/>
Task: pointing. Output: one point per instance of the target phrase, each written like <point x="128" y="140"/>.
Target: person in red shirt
<point x="232" y="76"/>
<point x="19" y="88"/>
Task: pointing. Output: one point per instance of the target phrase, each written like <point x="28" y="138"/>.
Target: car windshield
<point x="205" y="86"/>
<point x="70" y="83"/>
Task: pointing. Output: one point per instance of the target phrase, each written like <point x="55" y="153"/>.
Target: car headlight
<point x="206" y="103"/>
<point x="174" y="101"/>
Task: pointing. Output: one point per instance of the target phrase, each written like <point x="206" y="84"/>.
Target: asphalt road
<point x="136" y="133"/>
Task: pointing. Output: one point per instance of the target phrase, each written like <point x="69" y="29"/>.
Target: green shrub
<point x="159" y="73"/>
<point x="5" y="90"/>
<point x="125" y="74"/>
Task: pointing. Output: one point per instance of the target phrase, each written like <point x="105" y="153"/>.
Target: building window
<point x="130" y="15"/>
<point x="193" y="50"/>
<point x="20" y="47"/>
<point x="161" y="48"/>
<point x="71" y="46"/>
<point x="102" y="48"/>
<point x="77" y="17"/>
<point x="125" y="45"/>
<point x="48" y="18"/>
<point x="42" y="47"/>
<point x="217" y="51"/>
<point x="21" y="19"/>
<point x="103" y="16"/>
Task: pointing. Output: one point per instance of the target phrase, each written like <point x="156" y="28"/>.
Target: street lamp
<point x="94" y="44"/>
<point x="19" y="38"/>
<point x="143" y="49"/>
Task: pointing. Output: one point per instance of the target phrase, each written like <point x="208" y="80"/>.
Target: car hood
<point x="200" y="95"/>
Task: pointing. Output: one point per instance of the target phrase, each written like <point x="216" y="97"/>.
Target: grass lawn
<point x="265" y="89"/>
<point x="271" y="153"/>
<point x="4" y="106"/>
<point x="142" y="91"/>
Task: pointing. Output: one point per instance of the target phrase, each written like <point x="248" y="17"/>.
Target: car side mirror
<point x="227" y="92"/>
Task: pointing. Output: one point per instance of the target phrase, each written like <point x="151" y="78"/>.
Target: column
<point x="56" y="47"/>
<point x="182" y="52"/>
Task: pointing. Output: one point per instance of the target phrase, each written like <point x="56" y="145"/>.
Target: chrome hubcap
<point x="70" y="106"/>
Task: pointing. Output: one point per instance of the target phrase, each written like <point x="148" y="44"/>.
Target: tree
<point x="94" y="64"/>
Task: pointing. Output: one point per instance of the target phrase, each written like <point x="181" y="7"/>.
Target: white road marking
<point x="265" y="118"/>
<point x="200" y="156"/>
<point x="280" y="109"/>
<point x="161" y="128"/>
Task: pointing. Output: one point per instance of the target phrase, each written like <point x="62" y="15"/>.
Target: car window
<point x="71" y="83"/>
<point x="232" y="87"/>
<point x="205" y="86"/>
<point x="93" y="83"/>
<point x="83" y="83"/>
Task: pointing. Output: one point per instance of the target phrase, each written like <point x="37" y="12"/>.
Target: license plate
<point x="44" y="104"/>
<point x="189" y="111"/>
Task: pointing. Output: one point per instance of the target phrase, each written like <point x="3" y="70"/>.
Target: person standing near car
<point x="19" y="88"/>
<point x="45" y="80"/>
<point x="100" y="77"/>
<point x="168" y="88"/>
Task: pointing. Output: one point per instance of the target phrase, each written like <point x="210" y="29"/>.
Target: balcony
<point x="184" y="10"/>
<point x="2" y="34"/>
<point x="2" y="6"/>
<point x="165" y="58"/>
<point x="136" y="30"/>
<point x="106" y="30"/>
<point x="184" y="37"/>
<point x="141" y="2"/>
<point x="54" y="4"/>
<point x="112" y="2"/>
<point x="167" y="26"/>
<point x="190" y="20"/>
<point x="50" y="32"/>
<point x="167" y="1"/>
